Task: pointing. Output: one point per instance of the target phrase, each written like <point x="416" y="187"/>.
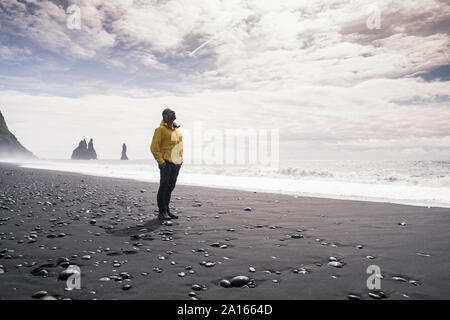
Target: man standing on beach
<point x="167" y="148"/>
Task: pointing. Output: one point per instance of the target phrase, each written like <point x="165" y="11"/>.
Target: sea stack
<point x="84" y="151"/>
<point x="91" y="151"/>
<point x="124" y="152"/>
<point x="10" y="147"/>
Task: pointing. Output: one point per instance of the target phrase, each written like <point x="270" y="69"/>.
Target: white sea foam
<point x="422" y="183"/>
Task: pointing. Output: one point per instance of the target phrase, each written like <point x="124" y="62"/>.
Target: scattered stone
<point x="332" y="259"/>
<point x="41" y="273"/>
<point x="239" y="281"/>
<point x="181" y="274"/>
<point x="399" y="279"/>
<point x="39" y="294"/>
<point x="378" y="295"/>
<point x="423" y="254"/>
<point x="353" y="297"/>
<point x="251" y="269"/>
<point x="248" y="209"/>
<point x="197" y="287"/>
<point x="225" y="283"/>
<point x="414" y="282"/>
<point x="126" y="287"/>
<point x="65" y="274"/>
<point x="86" y="257"/>
<point x="336" y="264"/>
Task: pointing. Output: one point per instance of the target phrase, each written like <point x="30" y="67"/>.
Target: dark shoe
<point x="162" y="215"/>
<point x="171" y="215"/>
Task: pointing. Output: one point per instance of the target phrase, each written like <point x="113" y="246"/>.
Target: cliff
<point x="10" y="147"/>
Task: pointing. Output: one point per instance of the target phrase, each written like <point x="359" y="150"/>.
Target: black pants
<point x="167" y="183"/>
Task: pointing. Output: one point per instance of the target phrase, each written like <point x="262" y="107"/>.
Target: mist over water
<point x="424" y="183"/>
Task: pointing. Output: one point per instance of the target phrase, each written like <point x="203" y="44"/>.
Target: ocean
<point x="419" y="183"/>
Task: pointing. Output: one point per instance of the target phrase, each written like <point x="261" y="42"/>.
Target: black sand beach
<point x="108" y="227"/>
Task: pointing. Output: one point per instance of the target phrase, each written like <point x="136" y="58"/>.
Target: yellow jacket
<point x="167" y="144"/>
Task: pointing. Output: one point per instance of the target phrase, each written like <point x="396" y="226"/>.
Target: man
<point x="167" y="148"/>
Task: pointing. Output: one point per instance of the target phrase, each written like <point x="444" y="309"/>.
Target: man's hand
<point x="161" y="166"/>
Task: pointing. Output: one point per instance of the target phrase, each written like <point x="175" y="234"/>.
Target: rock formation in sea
<point x="80" y="152"/>
<point x="124" y="152"/>
<point x="91" y="151"/>
<point x="10" y="147"/>
<point x="84" y="151"/>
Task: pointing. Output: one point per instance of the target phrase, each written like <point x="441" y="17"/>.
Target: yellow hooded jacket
<point x="167" y="144"/>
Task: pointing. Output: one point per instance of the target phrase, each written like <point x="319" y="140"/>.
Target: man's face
<point x="170" y="115"/>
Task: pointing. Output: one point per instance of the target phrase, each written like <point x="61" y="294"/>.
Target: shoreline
<point x="407" y="202"/>
<point x="287" y="240"/>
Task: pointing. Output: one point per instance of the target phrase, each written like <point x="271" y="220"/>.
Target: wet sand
<point x="109" y="228"/>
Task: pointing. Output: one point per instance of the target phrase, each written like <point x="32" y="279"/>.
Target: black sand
<point x="46" y="215"/>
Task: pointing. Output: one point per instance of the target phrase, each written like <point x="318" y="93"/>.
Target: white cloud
<point x="313" y="69"/>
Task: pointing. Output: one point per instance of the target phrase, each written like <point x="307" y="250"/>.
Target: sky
<point x="338" y="79"/>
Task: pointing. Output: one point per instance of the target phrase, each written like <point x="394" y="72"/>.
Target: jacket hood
<point x="175" y="125"/>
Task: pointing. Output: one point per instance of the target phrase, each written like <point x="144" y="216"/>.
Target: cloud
<point x="356" y="120"/>
<point x="313" y="69"/>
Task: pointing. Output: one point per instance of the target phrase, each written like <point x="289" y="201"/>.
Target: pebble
<point x="65" y="274"/>
<point x="414" y="282"/>
<point x="86" y="257"/>
<point x="210" y="264"/>
<point x="332" y="259"/>
<point x="402" y="223"/>
<point x="296" y="236"/>
<point x="41" y="273"/>
<point x="39" y="294"/>
<point x="62" y="260"/>
<point x="197" y="287"/>
<point x="126" y="287"/>
<point x="251" y="269"/>
<point x="423" y="254"/>
<point x="379" y="295"/>
<point x="336" y="264"/>
<point x="353" y="297"/>
<point x="225" y="283"/>
<point x="399" y="279"/>
<point x="181" y="274"/>
<point x="248" y="209"/>
<point x="239" y="281"/>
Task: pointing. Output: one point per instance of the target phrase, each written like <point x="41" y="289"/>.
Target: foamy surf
<point x="315" y="179"/>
